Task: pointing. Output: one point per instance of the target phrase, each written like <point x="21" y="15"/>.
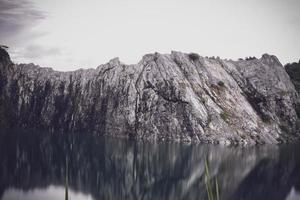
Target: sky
<point x="71" y="34"/>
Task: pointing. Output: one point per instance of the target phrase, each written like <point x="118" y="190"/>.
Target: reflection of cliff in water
<point x="109" y="168"/>
<point x="272" y="178"/>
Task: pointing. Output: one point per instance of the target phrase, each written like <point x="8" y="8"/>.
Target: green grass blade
<point x="66" y="181"/>
<point x="207" y="190"/>
<point x="207" y="182"/>
<point x="217" y="190"/>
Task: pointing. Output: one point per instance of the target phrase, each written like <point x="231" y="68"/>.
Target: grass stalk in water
<point x="66" y="181"/>
<point x="208" y="185"/>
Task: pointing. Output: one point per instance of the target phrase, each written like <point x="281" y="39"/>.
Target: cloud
<point x="37" y="51"/>
<point x="16" y="16"/>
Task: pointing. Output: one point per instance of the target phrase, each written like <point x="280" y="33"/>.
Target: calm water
<point x="33" y="166"/>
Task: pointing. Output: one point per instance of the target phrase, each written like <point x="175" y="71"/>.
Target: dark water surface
<point x="33" y="166"/>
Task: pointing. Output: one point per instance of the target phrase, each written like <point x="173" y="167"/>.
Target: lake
<point x="37" y="165"/>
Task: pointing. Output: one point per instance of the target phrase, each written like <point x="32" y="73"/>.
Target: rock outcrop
<point x="293" y="70"/>
<point x="177" y="96"/>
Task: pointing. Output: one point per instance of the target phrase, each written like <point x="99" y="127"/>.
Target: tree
<point x="3" y="46"/>
<point x="194" y="56"/>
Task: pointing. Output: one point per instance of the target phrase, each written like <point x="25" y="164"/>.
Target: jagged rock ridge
<point x="174" y="96"/>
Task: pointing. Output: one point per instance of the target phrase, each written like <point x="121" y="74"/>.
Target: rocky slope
<point x="175" y="96"/>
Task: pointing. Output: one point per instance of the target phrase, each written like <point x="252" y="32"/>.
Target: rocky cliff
<point x="293" y="70"/>
<point x="175" y="96"/>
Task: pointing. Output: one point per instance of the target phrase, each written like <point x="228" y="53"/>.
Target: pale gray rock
<point x="177" y="96"/>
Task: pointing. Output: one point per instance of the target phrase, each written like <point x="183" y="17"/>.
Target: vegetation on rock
<point x="221" y="84"/>
<point x="194" y="56"/>
<point x="224" y="115"/>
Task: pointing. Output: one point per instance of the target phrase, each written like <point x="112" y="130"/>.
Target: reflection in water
<point x="109" y="168"/>
<point x="66" y="180"/>
<point x="293" y="195"/>
<point x="49" y="193"/>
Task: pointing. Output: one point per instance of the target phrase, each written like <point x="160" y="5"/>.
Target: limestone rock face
<point x="177" y="96"/>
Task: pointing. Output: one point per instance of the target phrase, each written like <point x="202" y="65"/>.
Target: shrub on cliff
<point x="265" y="118"/>
<point x="221" y="84"/>
<point x="250" y="58"/>
<point x="224" y="115"/>
<point x="3" y="46"/>
<point x="194" y="56"/>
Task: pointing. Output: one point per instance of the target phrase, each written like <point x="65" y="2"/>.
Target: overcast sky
<point x="72" y="34"/>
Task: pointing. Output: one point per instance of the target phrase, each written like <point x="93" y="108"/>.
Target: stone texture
<point x="293" y="70"/>
<point x="177" y="96"/>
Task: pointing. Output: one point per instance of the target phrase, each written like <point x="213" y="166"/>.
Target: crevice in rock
<point x="172" y="100"/>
